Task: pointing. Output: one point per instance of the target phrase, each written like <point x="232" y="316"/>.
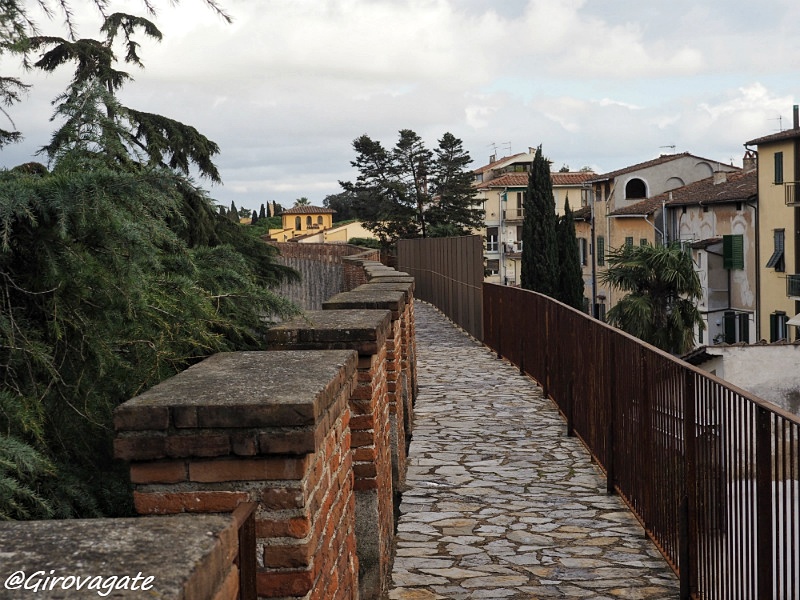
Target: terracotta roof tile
<point x="308" y="210"/>
<point x="664" y="158"/>
<point x="739" y="187"/>
<point x="572" y="177"/>
<point x="521" y="179"/>
<point x="775" y="137"/>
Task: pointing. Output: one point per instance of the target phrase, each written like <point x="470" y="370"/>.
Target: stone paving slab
<point x="500" y="503"/>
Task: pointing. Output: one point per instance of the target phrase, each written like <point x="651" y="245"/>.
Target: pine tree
<point x="454" y="210"/>
<point x="570" y="280"/>
<point x="540" y="251"/>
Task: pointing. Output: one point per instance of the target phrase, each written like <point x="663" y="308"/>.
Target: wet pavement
<point x="499" y="502"/>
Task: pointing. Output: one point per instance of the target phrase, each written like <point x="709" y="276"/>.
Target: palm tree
<point x="660" y="306"/>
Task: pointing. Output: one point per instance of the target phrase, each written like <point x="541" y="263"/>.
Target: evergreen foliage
<point x="116" y="271"/>
<point x="539" y="249"/>
<point x="662" y="289"/>
<point x="570" y="278"/>
<point x="262" y="213"/>
<point x="455" y="211"/>
<point x="410" y="191"/>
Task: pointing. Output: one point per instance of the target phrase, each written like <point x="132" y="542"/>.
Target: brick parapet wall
<point x="366" y="332"/>
<point x="368" y="297"/>
<point x="268" y="427"/>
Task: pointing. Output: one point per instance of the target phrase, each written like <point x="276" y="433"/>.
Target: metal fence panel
<point x="448" y="273"/>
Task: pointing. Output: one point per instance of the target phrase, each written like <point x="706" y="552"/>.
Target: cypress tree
<point x="570" y="280"/>
<point x="254" y="218"/>
<point x="540" y="252"/>
<point x="263" y="213"/>
<point x="233" y="213"/>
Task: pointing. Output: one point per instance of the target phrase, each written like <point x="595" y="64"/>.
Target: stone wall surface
<point x="309" y="436"/>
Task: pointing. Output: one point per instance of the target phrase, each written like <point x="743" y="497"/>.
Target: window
<point x="643" y="242"/>
<point x="493" y="267"/>
<point x="779" y="167"/>
<point x="319" y="220"/>
<point x="635" y="188"/>
<point x="776" y="261"/>
<point x="733" y="252"/>
<point x="491" y="239"/>
<point x="601" y="250"/>
<point x="778" y="328"/>
<point x="519" y="238"/>
<point x="629" y="242"/>
<point x="308" y="223"/>
<point x="736" y="327"/>
<point x="583" y="247"/>
<point x="298" y="223"/>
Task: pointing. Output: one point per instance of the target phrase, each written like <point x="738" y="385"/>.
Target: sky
<point x="286" y="88"/>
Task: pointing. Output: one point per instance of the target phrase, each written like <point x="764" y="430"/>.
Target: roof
<point x="704" y="244"/>
<point x="738" y="187"/>
<point x="572" y="177"/>
<point x="308" y="210"/>
<point x="584" y="213"/>
<point x="521" y="179"/>
<point x="775" y="137"/>
<point x="495" y="164"/>
<point x="645" y="207"/>
<point x="664" y="158"/>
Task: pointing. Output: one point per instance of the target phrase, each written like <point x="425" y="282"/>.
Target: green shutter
<point x="629" y="241"/>
<point x="733" y="251"/>
<point x="643" y="242"/>
<point x="601" y="250"/>
<point x="779" y="167"/>
<point x="744" y="327"/>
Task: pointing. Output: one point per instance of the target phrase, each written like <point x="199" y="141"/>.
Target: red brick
<point x="294" y="527"/>
<point x="289" y="556"/>
<point x="270" y="584"/>
<point x="162" y="503"/>
<point x="365" y="470"/>
<point x="248" y="469"/>
<point x="197" y="444"/>
<point x="140" y="447"/>
<point x="159" y="472"/>
<point x="364" y="454"/>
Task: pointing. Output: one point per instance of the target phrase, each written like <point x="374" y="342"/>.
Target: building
<point x="502" y="185"/>
<point x="302" y="220"/>
<point x="778" y="244"/>
<point x="715" y="218"/>
<point x="619" y="216"/>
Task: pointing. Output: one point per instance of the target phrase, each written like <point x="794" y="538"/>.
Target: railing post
<point x="688" y="510"/>
<point x="569" y="409"/>
<point x="764" y="518"/>
<point x="612" y="401"/>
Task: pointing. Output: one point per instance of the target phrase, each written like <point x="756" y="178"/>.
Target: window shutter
<point x="779" y="167"/>
<point x="730" y="327"/>
<point x="744" y="327"/>
<point x="601" y="250"/>
<point x="629" y="241"/>
<point x="733" y="251"/>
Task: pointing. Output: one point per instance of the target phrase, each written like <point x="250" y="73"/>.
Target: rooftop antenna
<point x="779" y="119"/>
<point x="671" y="147"/>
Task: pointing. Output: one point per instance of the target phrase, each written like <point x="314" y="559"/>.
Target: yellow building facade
<point x="778" y="246"/>
<point x="302" y="220"/>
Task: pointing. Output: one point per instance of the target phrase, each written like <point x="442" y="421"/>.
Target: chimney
<point x="492" y="158"/>
<point x="720" y="177"/>
<point x="750" y="161"/>
<point x="796" y="117"/>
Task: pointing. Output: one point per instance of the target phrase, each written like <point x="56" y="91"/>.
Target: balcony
<point x="790" y="194"/>
<point x="514" y="214"/>
<point x="793" y="286"/>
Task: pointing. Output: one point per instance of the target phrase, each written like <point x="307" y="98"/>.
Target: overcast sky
<point x="287" y="87"/>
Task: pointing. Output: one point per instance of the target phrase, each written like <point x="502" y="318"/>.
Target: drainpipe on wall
<point x="758" y="245"/>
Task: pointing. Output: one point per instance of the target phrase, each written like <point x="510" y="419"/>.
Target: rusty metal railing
<point x="710" y="471"/>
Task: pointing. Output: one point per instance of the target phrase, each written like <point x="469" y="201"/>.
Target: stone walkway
<point x="499" y="502"/>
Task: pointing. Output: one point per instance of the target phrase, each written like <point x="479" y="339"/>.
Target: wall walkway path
<point x="499" y="502"/>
